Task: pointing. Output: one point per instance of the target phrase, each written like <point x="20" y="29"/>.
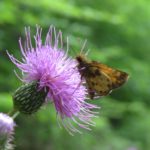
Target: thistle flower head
<point x="6" y="124"/>
<point x="49" y="66"/>
<point x="6" y="131"/>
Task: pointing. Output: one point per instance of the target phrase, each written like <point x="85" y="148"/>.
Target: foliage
<point x="118" y="35"/>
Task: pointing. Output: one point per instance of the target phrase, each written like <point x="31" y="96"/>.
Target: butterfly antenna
<point x="83" y="46"/>
<point x="87" y="52"/>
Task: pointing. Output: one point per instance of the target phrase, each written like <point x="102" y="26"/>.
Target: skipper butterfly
<point x="100" y="79"/>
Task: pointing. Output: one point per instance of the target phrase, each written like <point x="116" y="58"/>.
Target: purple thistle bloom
<point x="6" y="125"/>
<point x="6" y="131"/>
<point x="49" y="65"/>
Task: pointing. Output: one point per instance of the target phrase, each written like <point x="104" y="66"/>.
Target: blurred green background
<point x="118" y="34"/>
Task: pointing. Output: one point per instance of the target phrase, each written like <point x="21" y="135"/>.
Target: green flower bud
<point x="29" y="98"/>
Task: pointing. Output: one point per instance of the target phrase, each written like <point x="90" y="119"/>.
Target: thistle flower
<point x="55" y="73"/>
<point x="6" y="132"/>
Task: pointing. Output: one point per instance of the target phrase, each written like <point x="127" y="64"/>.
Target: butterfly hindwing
<point x="98" y="82"/>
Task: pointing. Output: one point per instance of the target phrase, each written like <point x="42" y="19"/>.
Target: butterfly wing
<point x="117" y="77"/>
<point x="98" y="83"/>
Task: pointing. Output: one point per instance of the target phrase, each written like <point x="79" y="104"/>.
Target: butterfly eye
<point x="79" y="59"/>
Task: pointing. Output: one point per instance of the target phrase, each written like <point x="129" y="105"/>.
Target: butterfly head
<point x="82" y="62"/>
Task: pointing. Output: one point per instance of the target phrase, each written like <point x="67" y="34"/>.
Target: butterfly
<point x="100" y="79"/>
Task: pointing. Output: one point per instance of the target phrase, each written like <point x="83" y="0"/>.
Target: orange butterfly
<point x="100" y="79"/>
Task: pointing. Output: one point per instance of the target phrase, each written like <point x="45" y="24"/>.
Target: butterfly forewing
<point x="117" y="77"/>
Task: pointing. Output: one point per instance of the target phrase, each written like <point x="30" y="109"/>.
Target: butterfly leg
<point x="91" y="93"/>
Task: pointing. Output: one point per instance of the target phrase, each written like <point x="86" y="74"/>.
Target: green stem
<point x="14" y="113"/>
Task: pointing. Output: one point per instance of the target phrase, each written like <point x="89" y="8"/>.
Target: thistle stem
<point x="14" y="113"/>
